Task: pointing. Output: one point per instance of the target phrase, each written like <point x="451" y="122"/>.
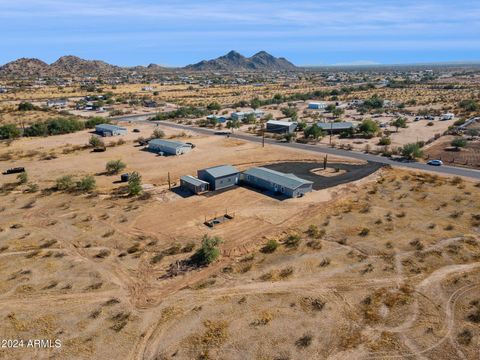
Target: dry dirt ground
<point x="468" y="156"/>
<point x="389" y="269"/>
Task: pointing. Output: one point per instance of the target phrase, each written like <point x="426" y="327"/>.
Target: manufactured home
<point x="219" y="177"/>
<point x="317" y="105"/>
<point x="243" y="114"/>
<point x="109" y="130"/>
<point x="60" y="103"/>
<point x="287" y="184"/>
<point x="281" y="127"/>
<point x="168" y="147"/>
<point x="447" y="116"/>
<point x="335" y="127"/>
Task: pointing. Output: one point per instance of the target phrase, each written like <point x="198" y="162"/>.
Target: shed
<point x="191" y="183"/>
<point x="281" y="127"/>
<point x="169" y="147"/>
<point x="317" y="105"/>
<point x="220" y="177"/>
<point x="335" y="127"/>
<point x="110" y="130"/>
<point x="271" y="180"/>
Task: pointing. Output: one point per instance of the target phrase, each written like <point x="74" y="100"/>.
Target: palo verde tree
<point x="399" y="122"/>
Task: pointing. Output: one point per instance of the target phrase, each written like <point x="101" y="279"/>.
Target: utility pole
<point x="325" y="159"/>
<point x="331" y="131"/>
<point x="263" y="135"/>
<point x="169" y="185"/>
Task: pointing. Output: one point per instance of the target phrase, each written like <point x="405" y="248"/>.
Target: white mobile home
<point x="168" y="147"/>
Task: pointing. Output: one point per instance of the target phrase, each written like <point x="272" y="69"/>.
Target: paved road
<point x="320" y="148"/>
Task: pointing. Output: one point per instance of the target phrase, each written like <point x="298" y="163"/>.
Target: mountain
<point x="73" y="65"/>
<point x="233" y="61"/>
<point x="24" y="67"/>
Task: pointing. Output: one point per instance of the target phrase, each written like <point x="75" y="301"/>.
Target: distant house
<point x="447" y="116"/>
<point x="281" y="127"/>
<point x="317" y="105"/>
<point x="220" y="119"/>
<point x="191" y="183"/>
<point x="243" y="114"/>
<point x="110" y="130"/>
<point x="168" y="147"/>
<point x="357" y="102"/>
<point x="3" y="90"/>
<point x="287" y="184"/>
<point x="219" y="177"/>
<point x="60" y="103"/>
<point x="335" y="127"/>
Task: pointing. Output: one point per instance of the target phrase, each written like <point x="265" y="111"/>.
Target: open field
<point x="384" y="266"/>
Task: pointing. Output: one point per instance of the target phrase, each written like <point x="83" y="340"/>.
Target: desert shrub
<point x="22" y="178"/>
<point x="314" y="232"/>
<point x="270" y="246"/>
<point x="384" y="140"/>
<point x="208" y="252"/>
<point x="292" y="241"/>
<point x="304" y="341"/>
<point x="65" y="183"/>
<point x="9" y="131"/>
<point x="115" y="166"/>
<point x="314" y="244"/>
<point x="54" y="126"/>
<point x="458" y="142"/>
<point x="324" y="262"/>
<point x="94" y="121"/>
<point x="86" y="184"/>
<point x="411" y="151"/>
<point x="465" y="337"/>
<point x="158" y="134"/>
<point x="364" y="232"/>
<point x="26" y="106"/>
<point x="134" y="184"/>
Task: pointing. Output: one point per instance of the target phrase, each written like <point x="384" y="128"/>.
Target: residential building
<point x="243" y="114"/>
<point x="57" y="103"/>
<point x="168" y="147"/>
<point x="317" y="105"/>
<point x="335" y="127"/>
<point x="110" y="130"/>
<point x="287" y="184"/>
<point x="280" y="127"/>
<point x="220" y="177"/>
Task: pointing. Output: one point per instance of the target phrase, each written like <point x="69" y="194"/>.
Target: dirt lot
<point x="468" y="156"/>
<point x="384" y="266"/>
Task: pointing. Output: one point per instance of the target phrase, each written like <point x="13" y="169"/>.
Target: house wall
<point x="218" y="183"/>
<point x="269" y="186"/>
<point x="193" y="188"/>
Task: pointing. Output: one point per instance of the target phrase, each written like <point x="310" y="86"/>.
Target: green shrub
<point x="270" y="246"/>
<point x="208" y="252"/>
<point x="65" y="183"/>
<point x="9" y="131"/>
<point x="86" y="184"/>
<point x="115" y="166"/>
<point x="134" y="184"/>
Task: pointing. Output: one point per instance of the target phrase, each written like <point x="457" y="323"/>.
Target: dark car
<point x="435" y="163"/>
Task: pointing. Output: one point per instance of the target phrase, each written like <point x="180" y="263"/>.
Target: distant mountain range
<point x="75" y="66"/>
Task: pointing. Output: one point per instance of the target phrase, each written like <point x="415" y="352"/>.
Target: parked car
<point x="435" y="162"/>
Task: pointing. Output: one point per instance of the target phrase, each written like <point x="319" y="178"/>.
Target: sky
<point x="177" y="33"/>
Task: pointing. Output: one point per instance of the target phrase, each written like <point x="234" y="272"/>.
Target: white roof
<point x="281" y="122"/>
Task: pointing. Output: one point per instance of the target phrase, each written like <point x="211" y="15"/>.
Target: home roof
<point x="289" y="181"/>
<point x="280" y="122"/>
<point x="193" y="180"/>
<point x="167" y="143"/>
<point x="221" y="170"/>
<point x="109" y="127"/>
<point x="335" y="125"/>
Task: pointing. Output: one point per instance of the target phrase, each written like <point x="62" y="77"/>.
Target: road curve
<point x="320" y="148"/>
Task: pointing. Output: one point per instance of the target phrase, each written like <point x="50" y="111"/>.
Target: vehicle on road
<point x="435" y="162"/>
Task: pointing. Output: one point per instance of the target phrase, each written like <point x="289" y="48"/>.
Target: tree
<point x="289" y="137"/>
<point x="115" y="166"/>
<point x="158" y="134"/>
<point x="337" y="112"/>
<point x="375" y="102"/>
<point x="26" y="106"/>
<point x="96" y="142"/>
<point x="134" y="184"/>
<point x="469" y="105"/>
<point x="411" y="151"/>
<point x="368" y="127"/>
<point x="97" y="120"/>
<point x="314" y="132"/>
<point x="399" y="122"/>
<point x="22" y="178"/>
<point x="458" y="143"/>
<point x="249" y="119"/>
<point x="65" y="183"/>
<point x="290" y="112"/>
<point x="232" y="124"/>
<point x="208" y="252"/>
<point x="330" y="107"/>
<point x="9" y="131"/>
<point x="214" y="106"/>
<point x="267" y="117"/>
<point x="86" y="184"/>
<point x="255" y="103"/>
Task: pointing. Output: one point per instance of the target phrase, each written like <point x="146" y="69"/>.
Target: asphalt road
<point x="320" y="148"/>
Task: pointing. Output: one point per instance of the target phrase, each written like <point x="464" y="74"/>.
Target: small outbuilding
<point x="280" y="127"/>
<point x="287" y="184"/>
<point x="169" y="147"/>
<point x="191" y="183"/>
<point x="335" y="127"/>
<point x="220" y="177"/>
<point x="110" y="130"/>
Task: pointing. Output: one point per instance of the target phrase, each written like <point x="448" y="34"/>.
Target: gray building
<point x="220" y="177"/>
<point x="110" y="130"/>
<point x="280" y="127"/>
<point x="271" y="180"/>
<point x="168" y="147"/>
<point x="335" y="127"/>
<point x="191" y="183"/>
<point x="57" y="103"/>
<point x="240" y="115"/>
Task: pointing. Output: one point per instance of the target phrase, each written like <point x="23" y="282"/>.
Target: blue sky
<point x="186" y="31"/>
